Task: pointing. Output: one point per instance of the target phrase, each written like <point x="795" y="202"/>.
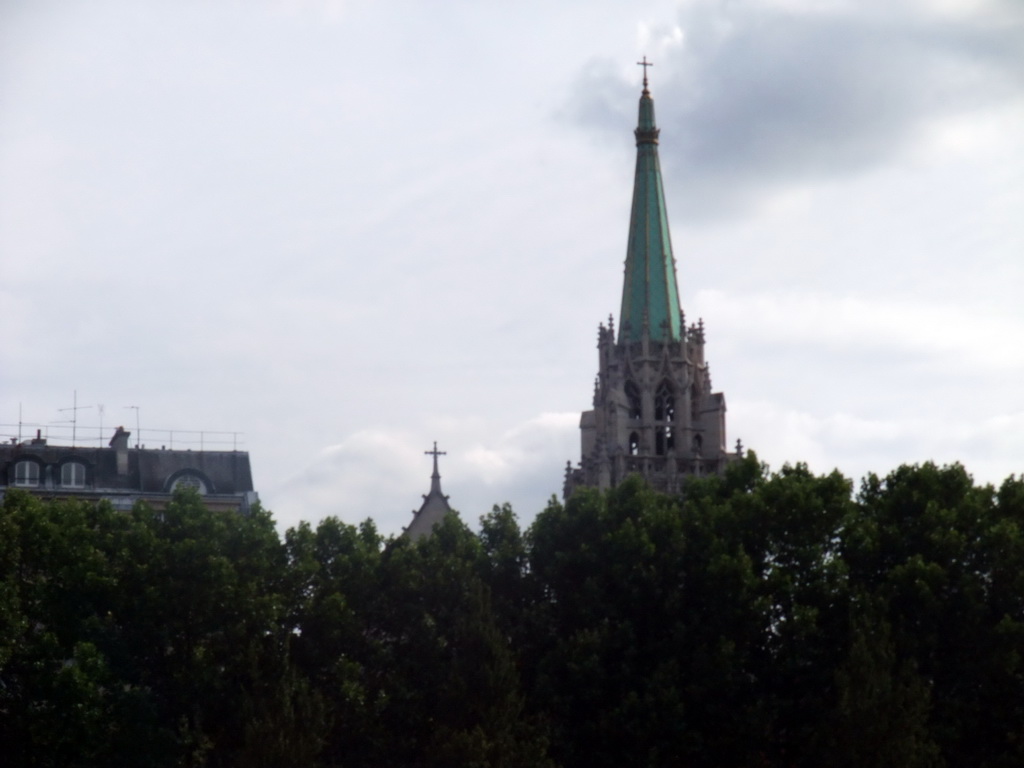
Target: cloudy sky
<point x="346" y="229"/>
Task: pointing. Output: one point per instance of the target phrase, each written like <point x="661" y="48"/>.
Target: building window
<point x="190" y="481"/>
<point x="634" y="444"/>
<point x="664" y="403"/>
<point x="665" y="415"/>
<point x="664" y="440"/>
<point x="26" y="473"/>
<point x="72" y="475"/>
<point x="633" y="401"/>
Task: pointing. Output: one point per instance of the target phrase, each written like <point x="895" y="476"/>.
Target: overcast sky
<point x="348" y="229"/>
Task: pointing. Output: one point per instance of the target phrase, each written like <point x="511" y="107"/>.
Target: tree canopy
<point x="760" y="619"/>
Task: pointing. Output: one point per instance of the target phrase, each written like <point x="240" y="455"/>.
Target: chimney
<point x="119" y="442"/>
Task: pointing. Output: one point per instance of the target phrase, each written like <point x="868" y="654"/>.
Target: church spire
<point x="650" y="296"/>
<point x="654" y="412"/>
<point x="435" y="504"/>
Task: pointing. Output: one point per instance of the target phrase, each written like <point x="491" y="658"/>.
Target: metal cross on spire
<point x="435" y="453"/>
<point x="645" y="64"/>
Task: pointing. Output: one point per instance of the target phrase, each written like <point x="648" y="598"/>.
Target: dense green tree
<point x="401" y="638"/>
<point x="57" y="710"/>
<point x="505" y="570"/>
<point x="933" y="546"/>
<point x="698" y="629"/>
<point x="760" y="619"/>
<point x="141" y="634"/>
<point x="332" y="586"/>
<point x="201" y="617"/>
<point x="881" y="716"/>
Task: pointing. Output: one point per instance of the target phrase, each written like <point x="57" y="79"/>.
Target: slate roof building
<point x="435" y="504"/>
<point x="654" y="411"/>
<point x="123" y="475"/>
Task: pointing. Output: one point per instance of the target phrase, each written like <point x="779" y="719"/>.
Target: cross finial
<point x="645" y="64"/>
<point x="435" y="453"/>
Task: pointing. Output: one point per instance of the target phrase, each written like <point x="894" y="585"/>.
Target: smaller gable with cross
<point x="435" y="504"/>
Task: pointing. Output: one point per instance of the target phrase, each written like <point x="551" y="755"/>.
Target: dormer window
<point x="72" y="474"/>
<point x="26" y="473"/>
<point x="190" y="481"/>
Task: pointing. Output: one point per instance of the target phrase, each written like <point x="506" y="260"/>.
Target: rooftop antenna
<point x="75" y="408"/>
<point x="100" y="409"/>
<point x="138" y="432"/>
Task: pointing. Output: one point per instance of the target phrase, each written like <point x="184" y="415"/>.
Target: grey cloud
<point x="757" y="98"/>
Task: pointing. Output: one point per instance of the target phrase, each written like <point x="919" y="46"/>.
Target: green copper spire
<point x="650" y="297"/>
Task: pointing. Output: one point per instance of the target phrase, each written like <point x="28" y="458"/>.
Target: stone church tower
<point x="654" y="411"/>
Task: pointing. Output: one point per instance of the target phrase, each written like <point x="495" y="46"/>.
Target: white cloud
<point x="524" y="448"/>
<point x="373" y="234"/>
<point x="382" y="472"/>
<point x="962" y="336"/>
<point x="766" y="95"/>
<point x="372" y="473"/>
<point x="329" y="10"/>
<point x="990" y="448"/>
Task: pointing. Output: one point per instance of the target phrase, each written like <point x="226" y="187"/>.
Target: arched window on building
<point x="189" y="480"/>
<point x="665" y="415"/>
<point x="72" y="474"/>
<point x="694" y="403"/>
<point x="698" y="443"/>
<point x="634" y="444"/>
<point x="26" y="473"/>
<point x="633" y="401"/>
<point x="665" y="403"/>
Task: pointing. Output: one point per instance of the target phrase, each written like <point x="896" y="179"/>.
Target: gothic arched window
<point x="664" y="403"/>
<point x="694" y="403"/>
<point x="634" y="444"/>
<point x="664" y="414"/>
<point x="698" y="442"/>
<point x="633" y="401"/>
<point x="664" y="440"/>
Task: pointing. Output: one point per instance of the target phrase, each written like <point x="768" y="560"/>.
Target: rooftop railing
<point x="99" y="437"/>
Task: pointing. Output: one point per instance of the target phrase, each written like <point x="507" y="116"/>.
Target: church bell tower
<point x="654" y="412"/>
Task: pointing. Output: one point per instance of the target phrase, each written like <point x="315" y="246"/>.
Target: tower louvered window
<point x="664" y="415"/>
<point x="633" y="401"/>
<point x="664" y="403"/>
